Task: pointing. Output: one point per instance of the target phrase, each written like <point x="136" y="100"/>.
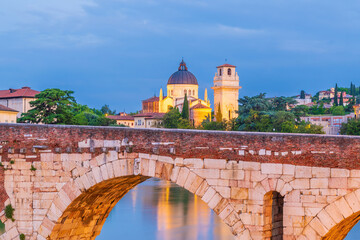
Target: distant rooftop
<point x="4" y="108"/>
<point x="18" y="93"/>
<point x="226" y="65"/>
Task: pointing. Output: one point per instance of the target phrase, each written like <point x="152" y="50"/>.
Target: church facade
<point x="183" y="83"/>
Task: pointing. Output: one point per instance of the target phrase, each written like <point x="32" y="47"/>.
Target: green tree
<point x="336" y="102"/>
<point x="281" y="103"/>
<point x="106" y="110"/>
<point x="257" y="103"/>
<point x="185" y="111"/>
<point x="302" y="94"/>
<point x="338" y="110"/>
<point x="52" y="106"/>
<point x="352" y="127"/>
<point x="218" y="115"/>
<point x="300" y="111"/>
<point x="207" y="124"/>
<point x="171" y="118"/>
<point x="341" y="102"/>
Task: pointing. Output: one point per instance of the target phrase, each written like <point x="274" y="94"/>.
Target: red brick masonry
<point x="296" y="149"/>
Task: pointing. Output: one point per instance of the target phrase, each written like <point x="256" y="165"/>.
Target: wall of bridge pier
<point x="63" y="181"/>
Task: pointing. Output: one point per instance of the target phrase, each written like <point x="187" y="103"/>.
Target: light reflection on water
<point x="161" y="210"/>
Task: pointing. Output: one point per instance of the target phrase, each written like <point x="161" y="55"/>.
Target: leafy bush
<point x="9" y="212"/>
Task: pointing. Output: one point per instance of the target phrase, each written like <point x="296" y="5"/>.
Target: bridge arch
<point x="82" y="205"/>
<point x="336" y="219"/>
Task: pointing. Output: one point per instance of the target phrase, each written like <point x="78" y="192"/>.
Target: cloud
<point x="66" y="41"/>
<point x="15" y="15"/>
<point x="237" y="31"/>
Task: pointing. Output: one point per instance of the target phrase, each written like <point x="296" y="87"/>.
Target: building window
<point x="194" y="92"/>
<point x="220" y="72"/>
<point x="229" y="71"/>
<point x="172" y="93"/>
<point x="185" y="92"/>
<point x="189" y="92"/>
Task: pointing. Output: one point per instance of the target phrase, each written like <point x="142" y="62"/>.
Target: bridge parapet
<point x="263" y="185"/>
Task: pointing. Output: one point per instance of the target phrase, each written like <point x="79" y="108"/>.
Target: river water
<point x="160" y="210"/>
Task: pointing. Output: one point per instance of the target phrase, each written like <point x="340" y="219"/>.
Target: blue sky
<point x="119" y="52"/>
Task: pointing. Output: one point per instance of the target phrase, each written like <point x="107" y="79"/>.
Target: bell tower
<point x="226" y="91"/>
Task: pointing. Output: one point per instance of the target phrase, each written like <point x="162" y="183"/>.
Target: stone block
<point x="202" y="189"/>
<point x="210" y="192"/>
<point x="193" y="162"/>
<point x="338" y="182"/>
<point x="339" y="173"/>
<point x="344" y="207"/>
<point x="239" y="193"/>
<point x="319" y="183"/>
<point x="208" y="173"/>
<point x="232" y="174"/>
<point x="214" y="163"/>
<point x="318" y="226"/>
<point x="301" y="183"/>
<point x="214" y="200"/>
<point x="183" y="174"/>
<point x="271" y="168"/>
<point x="319" y="172"/>
<point x="303" y="172"/>
<point x="223" y="191"/>
<point x="253" y="166"/>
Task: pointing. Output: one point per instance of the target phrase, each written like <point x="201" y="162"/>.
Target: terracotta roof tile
<point x="18" y="93"/>
<point x="199" y="105"/>
<point x="226" y="65"/>
<point x="150" y="115"/>
<point x="118" y="117"/>
<point x="4" y="108"/>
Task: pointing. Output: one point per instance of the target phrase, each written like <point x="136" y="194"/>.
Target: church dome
<point x="182" y="76"/>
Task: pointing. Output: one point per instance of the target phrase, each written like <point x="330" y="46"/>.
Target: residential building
<point x="303" y="101"/>
<point x="18" y="99"/>
<point x="331" y="124"/>
<point x="7" y="115"/>
<point x="123" y="119"/>
<point x="148" y="120"/>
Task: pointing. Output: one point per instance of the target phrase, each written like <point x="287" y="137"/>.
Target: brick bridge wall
<point x="81" y="173"/>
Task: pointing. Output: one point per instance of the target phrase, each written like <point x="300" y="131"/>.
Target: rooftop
<point x="18" y="93"/>
<point x="225" y="65"/>
<point x="4" y="108"/>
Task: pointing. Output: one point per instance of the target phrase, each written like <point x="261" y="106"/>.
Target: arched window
<point x="220" y="72"/>
<point x="193" y="92"/>
<point x="229" y="71"/>
<point x="185" y="91"/>
<point x="189" y="92"/>
<point x="172" y="92"/>
<point x="273" y="215"/>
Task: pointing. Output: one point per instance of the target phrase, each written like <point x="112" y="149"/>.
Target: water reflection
<point x="161" y="210"/>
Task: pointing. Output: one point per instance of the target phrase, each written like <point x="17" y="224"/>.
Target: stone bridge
<point x="62" y="181"/>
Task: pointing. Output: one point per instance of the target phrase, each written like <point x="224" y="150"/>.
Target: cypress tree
<point x="341" y="99"/>
<point x="336" y="103"/>
<point x="218" y="115"/>
<point x="185" y="110"/>
<point x="351" y="88"/>
<point x="302" y="94"/>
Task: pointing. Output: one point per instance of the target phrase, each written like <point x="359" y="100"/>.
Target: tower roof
<point x="225" y="65"/>
<point x="182" y="76"/>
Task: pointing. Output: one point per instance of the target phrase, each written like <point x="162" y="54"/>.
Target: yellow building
<point x="7" y="115"/>
<point x="357" y="111"/>
<point x="226" y="91"/>
<point x="180" y="83"/>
